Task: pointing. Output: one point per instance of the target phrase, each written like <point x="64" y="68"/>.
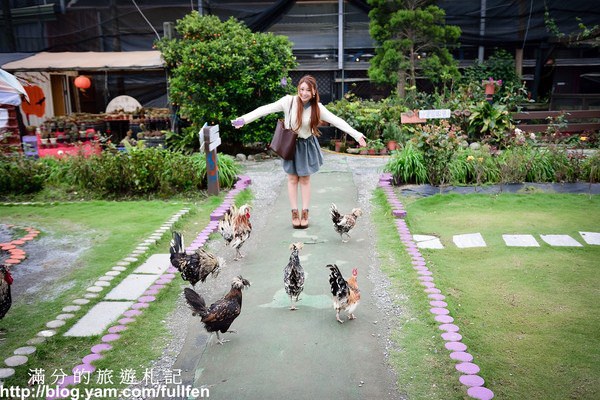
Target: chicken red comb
<point x="354" y="272"/>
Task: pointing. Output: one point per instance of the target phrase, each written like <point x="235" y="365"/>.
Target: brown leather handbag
<point x="284" y="140"/>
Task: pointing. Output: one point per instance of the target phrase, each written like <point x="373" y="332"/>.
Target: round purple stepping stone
<point x="452" y="336"/>
<point x="140" y="305"/>
<point x="467" y="368"/>
<point x="132" y="313"/>
<point x="461" y="356"/>
<point x="455" y="346"/>
<point x="425" y="278"/>
<point x="424" y="272"/>
<point x="439" y="311"/>
<point x="151" y="292"/>
<point x="99" y="348"/>
<point x="172" y="270"/>
<point x="90" y="358"/>
<point x="428" y="284"/>
<point x="419" y="263"/>
<point x="167" y="276"/>
<point x="163" y="282"/>
<point x="420" y="268"/>
<point x="432" y="290"/>
<point x="438" y="303"/>
<point x="157" y="287"/>
<point x="444" y="319"/>
<point x="126" y="321"/>
<point x="418" y="258"/>
<point x="146" y="299"/>
<point x="471" y="380"/>
<point x="480" y="393"/>
<point x="83" y="368"/>
<point x="117" y="328"/>
<point x="66" y="381"/>
<point x="110" y="337"/>
<point x="436" y="296"/>
<point x="449" y="327"/>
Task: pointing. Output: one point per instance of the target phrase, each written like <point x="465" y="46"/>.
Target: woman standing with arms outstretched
<point x="304" y="111"/>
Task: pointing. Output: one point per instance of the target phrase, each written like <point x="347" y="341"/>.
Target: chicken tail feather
<point x="176" y="243"/>
<point x="335" y="214"/>
<point x="196" y="302"/>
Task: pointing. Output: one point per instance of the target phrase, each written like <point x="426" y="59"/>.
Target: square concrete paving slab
<point x="469" y="240"/>
<point x="155" y="264"/>
<point x="520" y="241"/>
<point x="561" y="241"/>
<point x="591" y="237"/>
<point x="131" y="287"/>
<point x="99" y="318"/>
<point x="428" y="242"/>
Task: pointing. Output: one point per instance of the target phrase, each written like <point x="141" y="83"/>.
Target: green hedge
<point x="466" y="166"/>
<point x="138" y="172"/>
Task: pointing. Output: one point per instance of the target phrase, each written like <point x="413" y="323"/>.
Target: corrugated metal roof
<point x="89" y="61"/>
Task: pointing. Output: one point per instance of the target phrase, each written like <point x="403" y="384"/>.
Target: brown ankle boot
<point x="304" y="220"/>
<point x="295" y="219"/>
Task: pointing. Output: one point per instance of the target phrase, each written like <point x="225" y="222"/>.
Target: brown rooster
<point x="235" y="227"/>
<point x="196" y="266"/>
<point x="221" y="314"/>
<point x="6" y="280"/>
<point x="346" y="294"/>
<point x="344" y="223"/>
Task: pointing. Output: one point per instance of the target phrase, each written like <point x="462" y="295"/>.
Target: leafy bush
<point x="111" y="174"/>
<point x="218" y="71"/>
<point x="491" y="120"/>
<point x="20" y="175"/>
<point x="407" y="165"/>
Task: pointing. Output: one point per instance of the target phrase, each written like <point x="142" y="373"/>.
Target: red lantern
<point x="83" y="82"/>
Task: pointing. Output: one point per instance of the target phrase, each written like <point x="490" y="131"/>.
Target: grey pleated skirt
<point x="308" y="158"/>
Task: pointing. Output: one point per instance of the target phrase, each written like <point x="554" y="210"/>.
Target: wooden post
<point x="209" y="137"/>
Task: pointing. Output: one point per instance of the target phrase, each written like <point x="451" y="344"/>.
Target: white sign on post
<point x="428" y="114"/>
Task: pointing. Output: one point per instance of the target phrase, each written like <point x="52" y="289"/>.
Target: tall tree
<point x="411" y="33"/>
<point x="220" y="70"/>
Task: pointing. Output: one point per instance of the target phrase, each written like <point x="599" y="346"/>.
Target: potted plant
<point x="391" y="135"/>
<point x="375" y="146"/>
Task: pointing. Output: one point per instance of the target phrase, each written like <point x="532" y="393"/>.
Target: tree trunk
<point x="401" y="85"/>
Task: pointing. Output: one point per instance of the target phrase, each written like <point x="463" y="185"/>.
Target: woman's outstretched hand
<point x="362" y="142"/>
<point x="238" y="123"/>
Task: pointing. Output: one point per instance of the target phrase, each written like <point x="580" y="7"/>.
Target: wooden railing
<point x="576" y="120"/>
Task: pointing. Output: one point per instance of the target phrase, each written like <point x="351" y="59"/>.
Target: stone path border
<point x="136" y="309"/>
<point x="450" y="335"/>
<point x="16" y="254"/>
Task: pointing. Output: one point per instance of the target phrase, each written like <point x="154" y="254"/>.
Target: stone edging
<point x="470" y="379"/>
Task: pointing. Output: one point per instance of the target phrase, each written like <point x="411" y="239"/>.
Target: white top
<point x="283" y="105"/>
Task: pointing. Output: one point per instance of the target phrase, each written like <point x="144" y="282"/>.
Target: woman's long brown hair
<point x="315" y="113"/>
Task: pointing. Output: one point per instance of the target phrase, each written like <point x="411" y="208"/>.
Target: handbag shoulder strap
<point x="290" y="114"/>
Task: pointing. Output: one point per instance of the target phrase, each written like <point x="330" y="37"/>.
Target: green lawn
<point x="529" y="316"/>
<point x="112" y="230"/>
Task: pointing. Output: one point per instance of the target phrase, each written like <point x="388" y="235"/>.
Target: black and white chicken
<point x="221" y="314"/>
<point x="196" y="266"/>
<point x="344" y="223"/>
<point x="293" y="275"/>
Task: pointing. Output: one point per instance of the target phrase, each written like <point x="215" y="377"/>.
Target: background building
<point x="330" y="37"/>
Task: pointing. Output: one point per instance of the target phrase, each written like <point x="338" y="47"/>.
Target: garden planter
<point x="392" y="145"/>
<point x="338" y="145"/>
